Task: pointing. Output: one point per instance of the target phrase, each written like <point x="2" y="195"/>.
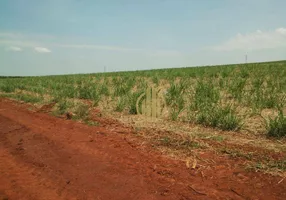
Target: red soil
<point x="44" y="157"/>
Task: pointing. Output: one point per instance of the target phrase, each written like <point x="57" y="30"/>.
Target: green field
<point x="244" y="97"/>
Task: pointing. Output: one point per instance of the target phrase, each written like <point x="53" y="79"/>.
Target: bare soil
<point x="44" y="157"/>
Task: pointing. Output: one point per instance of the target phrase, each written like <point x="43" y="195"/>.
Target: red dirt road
<point x="44" y="157"/>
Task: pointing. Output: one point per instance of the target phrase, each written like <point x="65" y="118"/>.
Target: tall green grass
<point x="277" y="127"/>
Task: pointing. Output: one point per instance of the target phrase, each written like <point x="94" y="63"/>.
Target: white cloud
<point x="73" y="46"/>
<point x="42" y="50"/>
<point x="14" y="48"/>
<point x="91" y="46"/>
<point x="281" y="31"/>
<point x="36" y="41"/>
<point x="18" y="39"/>
<point x="255" y="41"/>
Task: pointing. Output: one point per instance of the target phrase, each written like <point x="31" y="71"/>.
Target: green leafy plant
<point x="175" y="100"/>
<point x="219" y="117"/>
<point x="121" y="103"/>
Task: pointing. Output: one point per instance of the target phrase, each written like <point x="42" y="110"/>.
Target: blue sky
<point x="82" y="36"/>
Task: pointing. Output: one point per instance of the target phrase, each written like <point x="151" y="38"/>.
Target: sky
<point x="88" y="36"/>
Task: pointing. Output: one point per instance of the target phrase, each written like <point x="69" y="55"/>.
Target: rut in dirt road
<point x="43" y="157"/>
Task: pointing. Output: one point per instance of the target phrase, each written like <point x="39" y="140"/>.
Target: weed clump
<point x="277" y="127"/>
<point x="174" y="99"/>
<point x="81" y="111"/>
<point x="219" y="117"/>
<point x="121" y="104"/>
<point x="62" y="106"/>
<point x="132" y="102"/>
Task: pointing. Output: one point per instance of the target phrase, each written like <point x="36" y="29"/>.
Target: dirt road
<point x="44" y="157"/>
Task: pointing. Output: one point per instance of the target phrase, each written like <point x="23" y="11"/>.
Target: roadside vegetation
<point x="245" y="97"/>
